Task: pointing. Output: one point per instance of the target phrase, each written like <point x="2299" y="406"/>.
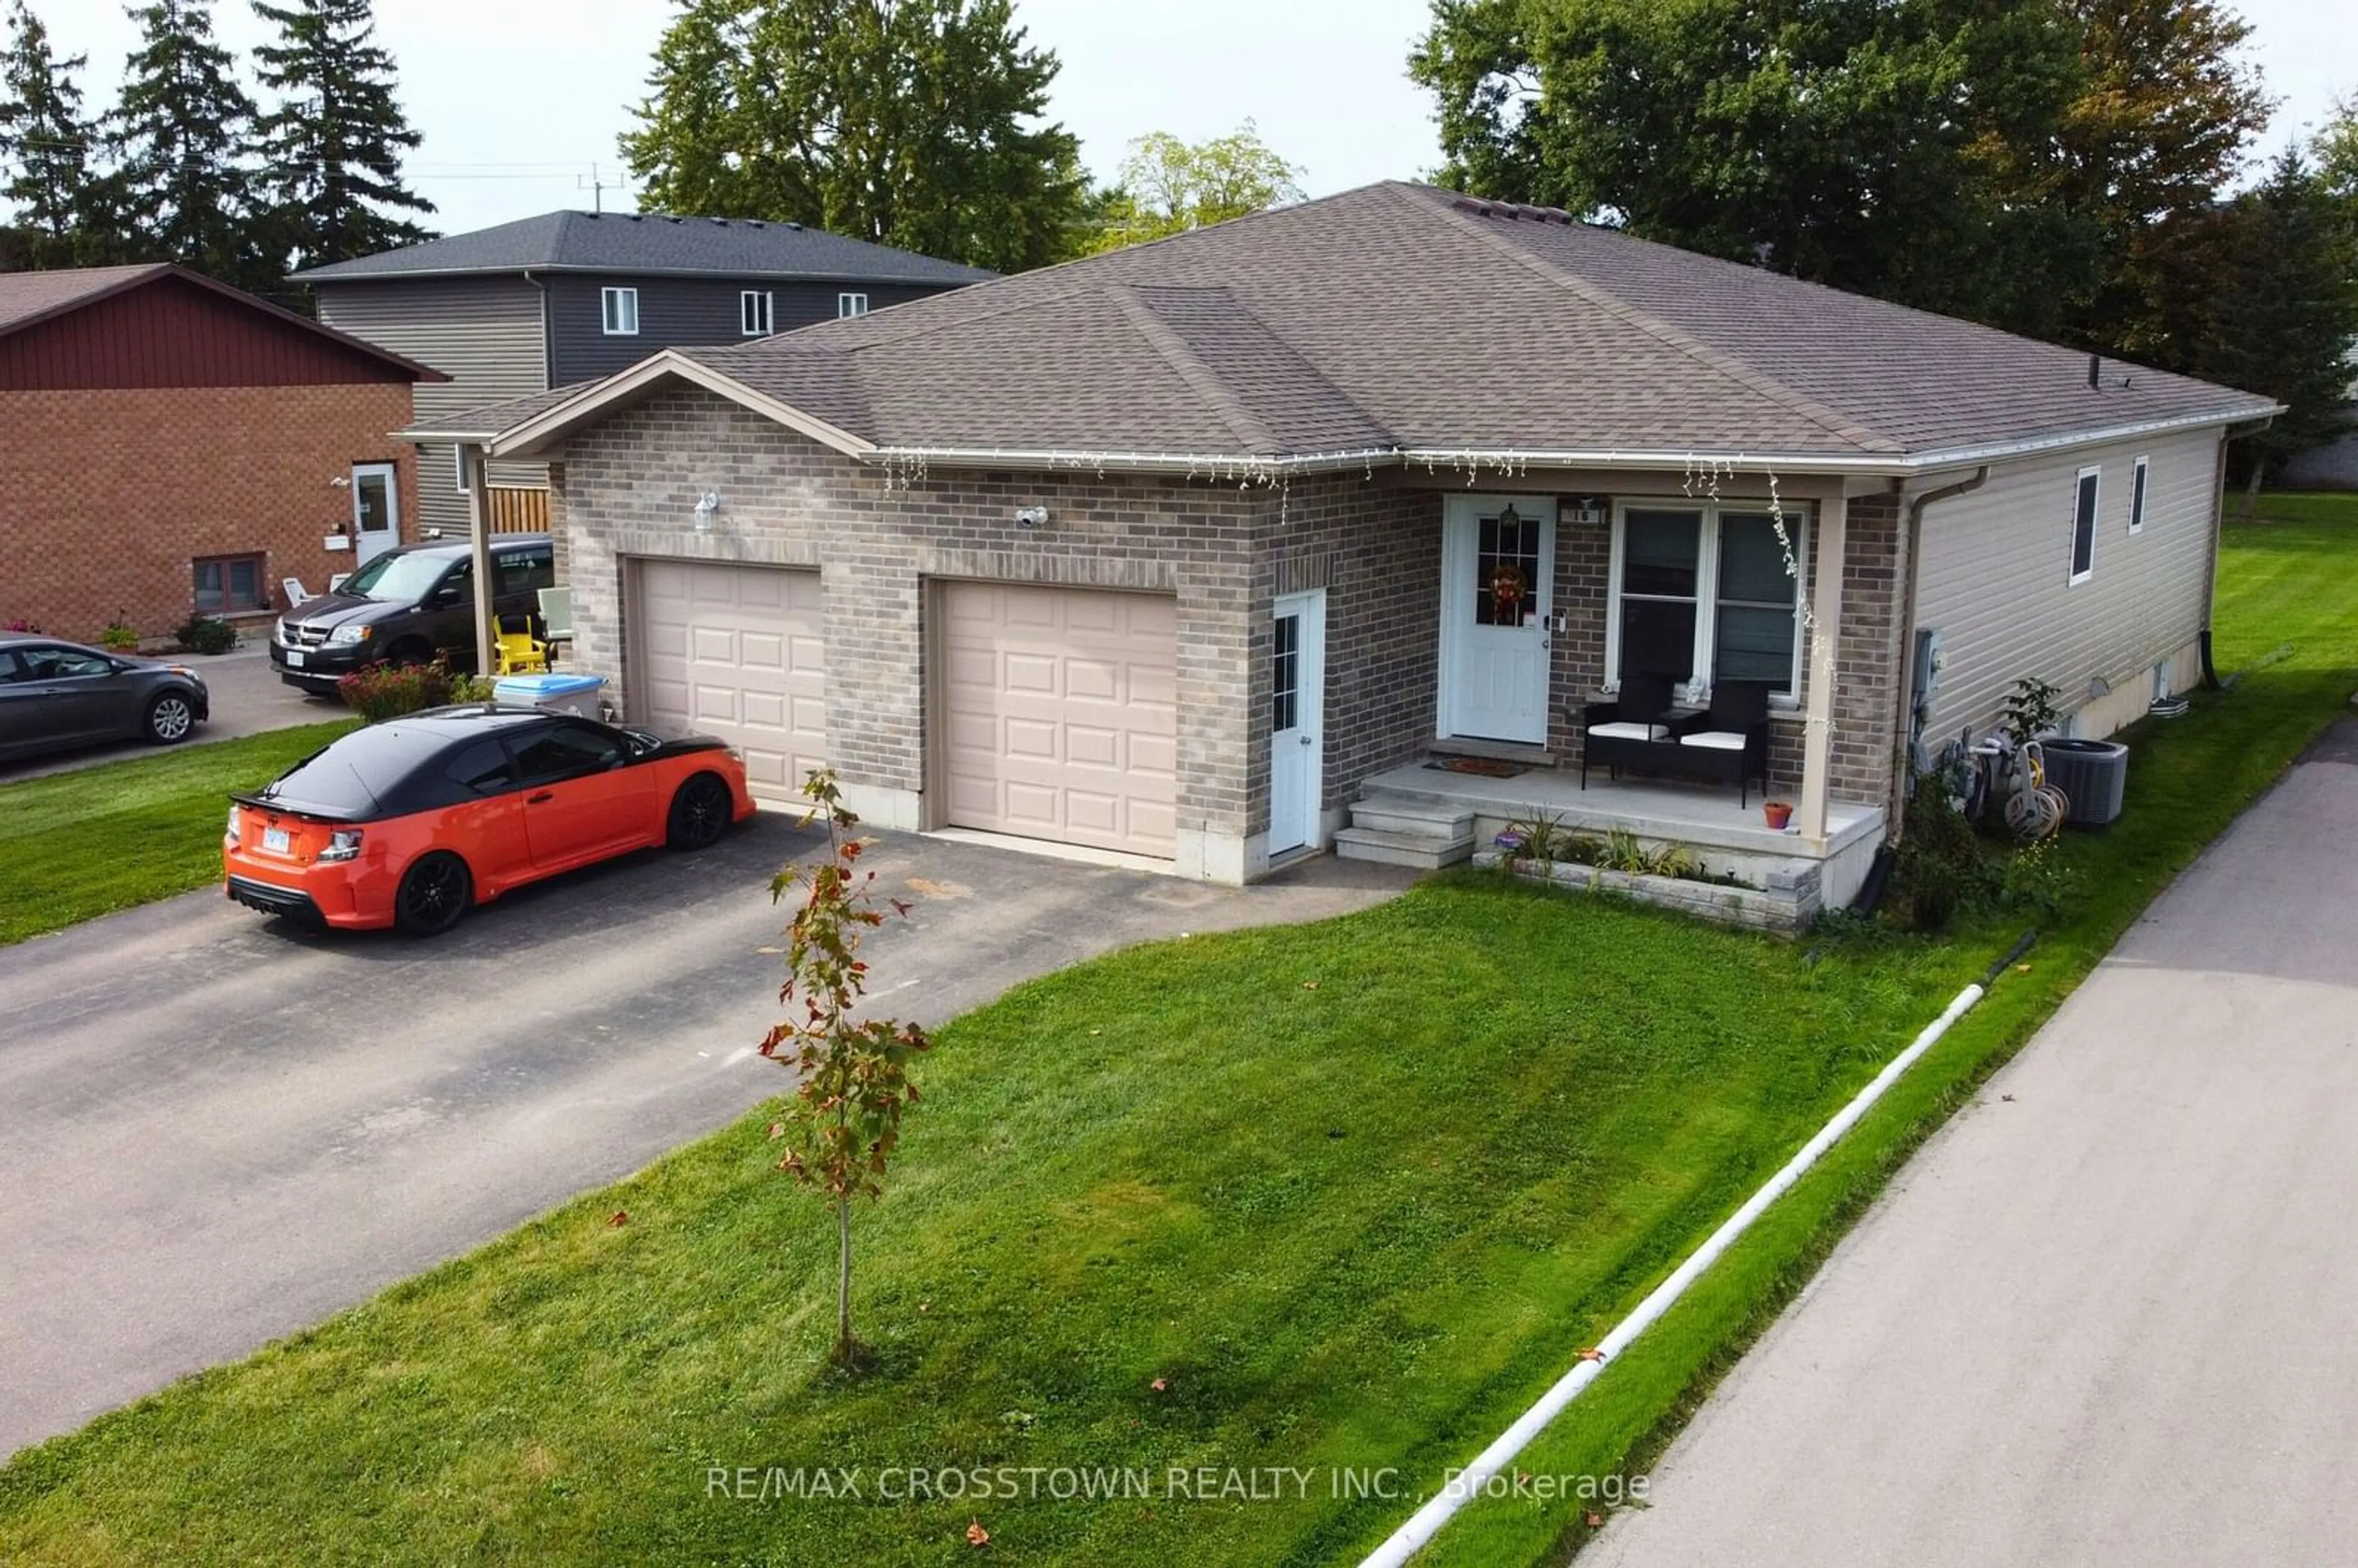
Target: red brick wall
<point x="106" y="497"/>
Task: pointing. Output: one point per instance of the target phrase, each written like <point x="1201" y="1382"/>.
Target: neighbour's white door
<point x="1498" y="580"/>
<point x="1297" y="722"/>
<point x="376" y="511"/>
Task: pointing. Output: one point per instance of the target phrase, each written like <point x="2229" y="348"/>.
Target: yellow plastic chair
<point x="517" y="652"/>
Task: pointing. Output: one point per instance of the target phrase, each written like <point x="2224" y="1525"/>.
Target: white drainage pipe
<point x="1426" y="1522"/>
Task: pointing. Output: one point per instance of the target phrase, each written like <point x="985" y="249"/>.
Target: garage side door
<point x="736" y="651"/>
<point x="1061" y="714"/>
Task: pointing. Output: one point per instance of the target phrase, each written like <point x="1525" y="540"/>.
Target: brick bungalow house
<point x="1197" y="551"/>
<point x="173" y="444"/>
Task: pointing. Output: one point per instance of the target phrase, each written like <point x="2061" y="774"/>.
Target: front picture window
<point x="1703" y="594"/>
<point x="1660" y="578"/>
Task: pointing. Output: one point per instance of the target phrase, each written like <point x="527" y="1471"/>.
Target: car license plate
<point x="275" y="841"/>
<point x="294" y="658"/>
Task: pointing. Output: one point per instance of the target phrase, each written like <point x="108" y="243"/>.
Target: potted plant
<point x="1777" y="812"/>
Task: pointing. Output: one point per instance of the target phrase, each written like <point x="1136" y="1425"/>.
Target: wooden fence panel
<point x="513" y="509"/>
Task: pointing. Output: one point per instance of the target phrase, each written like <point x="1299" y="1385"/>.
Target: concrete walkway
<point x="2106" y="1316"/>
<point x="248" y="697"/>
<point x="215" y="1129"/>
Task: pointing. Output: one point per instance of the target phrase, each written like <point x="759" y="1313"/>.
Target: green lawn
<point x="1353" y="1191"/>
<point x="101" y="839"/>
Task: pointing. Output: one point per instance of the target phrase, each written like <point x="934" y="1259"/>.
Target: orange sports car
<point x="413" y="822"/>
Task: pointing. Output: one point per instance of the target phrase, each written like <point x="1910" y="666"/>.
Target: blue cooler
<point x="576" y="694"/>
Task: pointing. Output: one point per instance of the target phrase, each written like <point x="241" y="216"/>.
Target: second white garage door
<point x="736" y="651"/>
<point x="1061" y="718"/>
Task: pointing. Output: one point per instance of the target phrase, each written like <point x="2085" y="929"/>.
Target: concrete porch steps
<point x="1395" y="830"/>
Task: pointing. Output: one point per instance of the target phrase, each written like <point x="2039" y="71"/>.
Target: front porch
<point x="1426" y="815"/>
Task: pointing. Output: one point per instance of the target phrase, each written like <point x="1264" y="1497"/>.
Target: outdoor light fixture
<point x="1508" y="518"/>
<point x="1031" y="517"/>
<point x="705" y="507"/>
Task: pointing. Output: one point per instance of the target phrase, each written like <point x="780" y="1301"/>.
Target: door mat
<point x="1488" y="767"/>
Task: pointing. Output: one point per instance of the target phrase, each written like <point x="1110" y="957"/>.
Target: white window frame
<point x="2074" y="573"/>
<point x="849" y="304"/>
<point x="459" y="465"/>
<point x="2140" y="491"/>
<point x="1707" y="597"/>
<point x="614" y="305"/>
<point x="756" y="312"/>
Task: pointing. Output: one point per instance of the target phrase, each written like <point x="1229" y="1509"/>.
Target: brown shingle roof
<point x="27" y="297"/>
<point x="1400" y="317"/>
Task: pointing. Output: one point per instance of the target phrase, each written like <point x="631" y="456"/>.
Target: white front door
<point x="376" y="511"/>
<point x="1297" y="720"/>
<point x="1497" y="578"/>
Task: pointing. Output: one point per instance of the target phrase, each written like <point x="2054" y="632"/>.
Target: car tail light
<point x="236" y="828"/>
<point x="343" y="844"/>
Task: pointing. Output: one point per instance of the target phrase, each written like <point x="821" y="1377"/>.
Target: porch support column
<point x="1824" y="645"/>
<point x="479" y="538"/>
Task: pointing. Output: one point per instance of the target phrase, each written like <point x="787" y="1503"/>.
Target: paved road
<point x="2106" y="1315"/>
<point x="247" y="699"/>
<point x="216" y="1129"/>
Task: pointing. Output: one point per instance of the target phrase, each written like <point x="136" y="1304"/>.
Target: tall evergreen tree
<point x="913" y="123"/>
<point x="332" y="146"/>
<point x="48" y="151"/>
<point x="184" y="190"/>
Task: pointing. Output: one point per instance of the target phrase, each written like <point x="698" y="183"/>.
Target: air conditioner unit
<point x="2092" y="774"/>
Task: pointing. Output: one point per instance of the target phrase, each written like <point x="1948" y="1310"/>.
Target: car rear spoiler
<point x="301" y="808"/>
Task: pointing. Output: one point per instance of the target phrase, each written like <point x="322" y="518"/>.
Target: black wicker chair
<point x="1729" y="739"/>
<point x="1627" y="731"/>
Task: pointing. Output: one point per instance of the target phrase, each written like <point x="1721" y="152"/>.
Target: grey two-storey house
<point x="571" y="297"/>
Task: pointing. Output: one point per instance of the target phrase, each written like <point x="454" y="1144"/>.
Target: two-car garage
<point x="1052" y="712"/>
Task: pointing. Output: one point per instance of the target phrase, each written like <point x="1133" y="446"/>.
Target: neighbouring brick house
<point x="171" y="444"/>
<point x="1198" y="551"/>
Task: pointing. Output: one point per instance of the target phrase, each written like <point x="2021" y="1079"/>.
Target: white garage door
<point x="735" y="651"/>
<point x="1061" y="716"/>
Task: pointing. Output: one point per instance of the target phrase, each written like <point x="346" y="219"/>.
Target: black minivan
<point x="405" y="606"/>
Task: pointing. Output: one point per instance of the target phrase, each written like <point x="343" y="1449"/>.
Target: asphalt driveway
<point x="2105" y="1315"/>
<point x="218" y="1130"/>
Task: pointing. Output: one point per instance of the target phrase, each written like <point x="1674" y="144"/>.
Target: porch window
<point x="1703" y="594"/>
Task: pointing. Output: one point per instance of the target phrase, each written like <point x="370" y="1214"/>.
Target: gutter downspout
<point x="2218" y="525"/>
<point x="1900" y="756"/>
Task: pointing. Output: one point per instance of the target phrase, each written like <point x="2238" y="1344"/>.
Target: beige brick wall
<point x="106" y="496"/>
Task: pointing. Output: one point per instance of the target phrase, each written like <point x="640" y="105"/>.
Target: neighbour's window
<point x="226" y="585"/>
<point x="753" y="313"/>
<point x="482" y="767"/>
<point x="2083" y="526"/>
<point x="563" y="751"/>
<point x="1707" y="591"/>
<point x="850" y="304"/>
<point x="622" y="312"/>
<point x="2136" y="497"/>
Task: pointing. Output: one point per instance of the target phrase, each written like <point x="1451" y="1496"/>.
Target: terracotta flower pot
<point x="1778" y="814"/>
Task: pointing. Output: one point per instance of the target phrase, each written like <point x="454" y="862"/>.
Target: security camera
<point x="1031" y="516"/>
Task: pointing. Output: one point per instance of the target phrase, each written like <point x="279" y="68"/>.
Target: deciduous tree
<point x="1168" y="186"/>
<point x="332" y="145"/>
<point x="912" y="122"/>
<point x="851" y="1075"/>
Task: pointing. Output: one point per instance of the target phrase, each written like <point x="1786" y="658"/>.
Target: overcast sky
<point x="517" y="99"/>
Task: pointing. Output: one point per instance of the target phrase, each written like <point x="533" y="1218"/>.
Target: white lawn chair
<point x="292" y="586"/>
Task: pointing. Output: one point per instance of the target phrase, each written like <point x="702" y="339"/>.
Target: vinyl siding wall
<point x="683" y="312"/>
<point x="482" y="332"/>
<point x="1994" y="579"/>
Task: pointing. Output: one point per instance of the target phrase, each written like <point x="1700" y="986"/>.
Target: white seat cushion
<point x="1717" y="740"/>
<point x="1626" y="730"/>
